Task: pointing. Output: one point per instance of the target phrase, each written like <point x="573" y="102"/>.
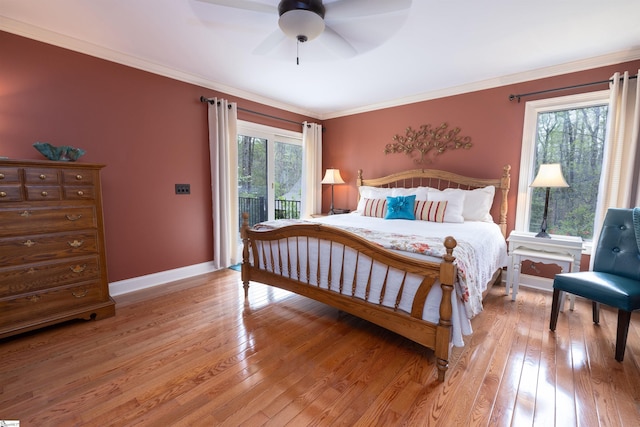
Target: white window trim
<point x="271" y="134"/>
<point x="532" y="109"/>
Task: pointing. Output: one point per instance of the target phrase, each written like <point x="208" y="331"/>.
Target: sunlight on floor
<point x="262" y="295"/>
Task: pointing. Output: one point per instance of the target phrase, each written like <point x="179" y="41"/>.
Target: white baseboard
<point x="142" y="282"/>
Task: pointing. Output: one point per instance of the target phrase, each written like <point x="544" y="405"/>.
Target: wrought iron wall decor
<point x="428" y="141"/>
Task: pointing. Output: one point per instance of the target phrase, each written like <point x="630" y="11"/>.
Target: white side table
<point x="564" y="251"/>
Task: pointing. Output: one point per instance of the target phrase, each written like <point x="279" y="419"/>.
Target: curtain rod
<point x="512" y="97"/>
<point x="210" y="101"/>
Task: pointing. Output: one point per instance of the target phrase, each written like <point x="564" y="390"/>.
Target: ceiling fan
<point x="306" y="20"/>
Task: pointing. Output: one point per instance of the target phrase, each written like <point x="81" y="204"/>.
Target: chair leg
<point x="595" y="307"/>
<point x="555" y="308"/>
<point x="624" y="317"/>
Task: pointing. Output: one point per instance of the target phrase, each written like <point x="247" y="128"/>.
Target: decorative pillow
<point x="374" y="207"/>
<point x="455" y="203"/>
<point x="367" y="192"/>
<point x="477" y="203"/>
<point x="430" y="211"/>
<point x="400" y="207"/>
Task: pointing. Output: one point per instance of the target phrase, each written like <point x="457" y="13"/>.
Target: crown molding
<point x="81" y="46"/>
<point x="60" y="40"/>
<point x="537" y="74"/>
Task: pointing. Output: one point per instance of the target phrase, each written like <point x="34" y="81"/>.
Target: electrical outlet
<point x="183" y="188"/>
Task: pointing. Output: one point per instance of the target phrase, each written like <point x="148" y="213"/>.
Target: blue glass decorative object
<point x="63" y="153"/>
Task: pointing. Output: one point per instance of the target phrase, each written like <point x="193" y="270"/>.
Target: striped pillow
<point x="375" y="207"/>
<point x="430" y="211"/>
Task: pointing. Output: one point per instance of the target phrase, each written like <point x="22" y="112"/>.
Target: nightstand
<point x="564" y="251"/>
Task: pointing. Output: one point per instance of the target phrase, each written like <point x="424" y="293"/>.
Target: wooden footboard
<point x="295" y="258"/>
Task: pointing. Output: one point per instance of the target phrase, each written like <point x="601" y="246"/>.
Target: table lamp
<point x="549" y="175"/>
<point x="332" y="176"/>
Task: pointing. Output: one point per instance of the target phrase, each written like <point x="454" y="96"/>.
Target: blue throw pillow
<point x="400" y="207"/>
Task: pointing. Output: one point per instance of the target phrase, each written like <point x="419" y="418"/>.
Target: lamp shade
<point x="332" y="176"/>
<point x="549" y="175"/>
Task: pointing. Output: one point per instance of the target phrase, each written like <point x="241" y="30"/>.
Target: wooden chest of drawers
<point x="52" y="257"/>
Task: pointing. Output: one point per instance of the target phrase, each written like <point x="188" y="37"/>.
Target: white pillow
<point x="455" y="203"/>
<point x="367" y="192"/>
<point x="477" y="203"/>
<point x="419" y="192"/>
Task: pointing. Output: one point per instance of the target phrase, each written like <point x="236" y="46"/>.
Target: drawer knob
<point x="3" y="194"/>
<point x="29" y="243"/>
<point x="78" y="268"/>
<point x="79" y="177"/>
<point x="44" y="194"/>
<point x="73" y="217"/>
<point x="81" y="293"/>
<point x="25" y="214"/>
<point x="75" y="243"/>
<point x="1" y="176"/>
<point x="80" y="193"/>
<point x="34" y="298"/>
<point x="43" y="176"/>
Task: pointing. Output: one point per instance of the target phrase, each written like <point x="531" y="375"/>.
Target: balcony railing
<point x="257" y="209"/>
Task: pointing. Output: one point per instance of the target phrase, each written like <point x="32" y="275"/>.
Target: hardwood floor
<point x="192" y="353"/>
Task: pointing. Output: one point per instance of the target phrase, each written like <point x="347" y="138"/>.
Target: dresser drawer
<point x="42" y="193"/>
<point x="15" y="222"/>
<point x="9" y="174"/>
<point x="10" y="192"/>
<point x="36" y="277"/>
<point x="25" y="308"/>
<point x="77" y="177"/>
<point x="43" y="247"/>
<point x="41" y="176"/>
<point x="79" y="193"/>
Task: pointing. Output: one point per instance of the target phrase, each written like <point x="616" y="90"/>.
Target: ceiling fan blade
<point x="245" y="4"/>
<point x="336" y="43"/>
<point x="270" y="43"/>
<point x="355" y="8"/>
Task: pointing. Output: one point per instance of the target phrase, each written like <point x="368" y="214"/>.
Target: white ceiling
<point x="435" y="48"/>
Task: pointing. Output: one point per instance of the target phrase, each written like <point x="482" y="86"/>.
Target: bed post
<point x="443" y="334"/>
<point x="505" y="184"/>
<point x="245" y="253"/>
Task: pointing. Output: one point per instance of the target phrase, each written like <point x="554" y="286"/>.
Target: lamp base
<point x="543" y="234"/>
<point x="543" y="227"/>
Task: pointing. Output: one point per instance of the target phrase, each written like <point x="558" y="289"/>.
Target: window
<point x="269" y="172"/>
<point x="571" y="131"/>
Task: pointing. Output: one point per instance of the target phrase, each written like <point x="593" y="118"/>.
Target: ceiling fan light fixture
<point x="301" y="24"/>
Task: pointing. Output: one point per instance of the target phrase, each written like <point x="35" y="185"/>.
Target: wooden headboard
<point x="443" y="179"/>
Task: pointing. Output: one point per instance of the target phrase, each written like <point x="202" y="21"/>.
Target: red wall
<point x="149" y="131"/>
<point x="493" y="122"/>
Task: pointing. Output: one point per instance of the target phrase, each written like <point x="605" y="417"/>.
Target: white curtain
<point x="620" y="166"/>
<point x="223" y="152"/>
<point x="312" y="167"/>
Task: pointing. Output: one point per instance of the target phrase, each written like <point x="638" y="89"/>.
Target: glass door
<point x="269" y="172"/>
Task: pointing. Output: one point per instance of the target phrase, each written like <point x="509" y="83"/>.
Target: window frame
<point x="529" y="131"/>
<point x="272" y="135"/>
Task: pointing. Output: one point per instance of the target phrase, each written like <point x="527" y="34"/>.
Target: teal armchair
<point x="615" y="279"/>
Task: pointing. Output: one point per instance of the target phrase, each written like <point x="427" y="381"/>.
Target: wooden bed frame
<point x="436" y="336"/>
